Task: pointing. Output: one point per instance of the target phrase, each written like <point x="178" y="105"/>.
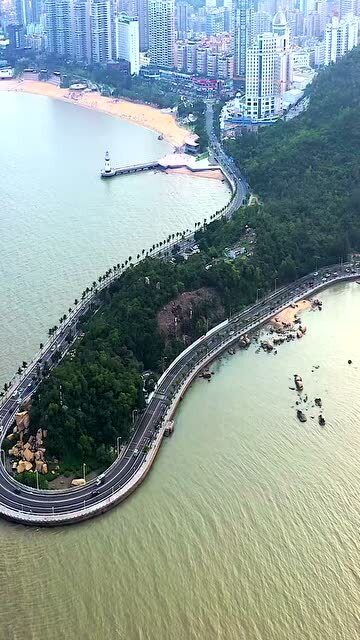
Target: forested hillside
<point x="306" y="173"/>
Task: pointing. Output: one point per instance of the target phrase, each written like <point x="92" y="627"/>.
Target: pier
<point x="171" y="161"/>
<point x="130" y="168"/>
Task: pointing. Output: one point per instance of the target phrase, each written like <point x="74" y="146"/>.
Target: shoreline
<point x="138" y="113"/>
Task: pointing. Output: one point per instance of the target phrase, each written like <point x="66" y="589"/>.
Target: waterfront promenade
<point x="49" y="508"/>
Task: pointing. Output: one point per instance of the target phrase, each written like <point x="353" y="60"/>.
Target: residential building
<point x="183" y="11"/>
<point x="59" y="34"/>
<point x="347" y="6"/>
<point x="102" y="30"/>
<point x="162" y="33"/>
<point x="340" y="37"/>
<point x="81" y="31"/>
<point x="15" y="33"/>
<point x="244" y="34"/>
<point x="142" y="13"/>
<point x="127" y="41"/>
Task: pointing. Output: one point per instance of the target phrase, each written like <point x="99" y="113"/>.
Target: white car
<point x="136" y="451"/>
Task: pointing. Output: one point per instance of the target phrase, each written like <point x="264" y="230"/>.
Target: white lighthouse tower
<point x="107" y="172"/>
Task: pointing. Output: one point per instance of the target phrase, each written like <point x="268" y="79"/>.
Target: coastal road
<point x="24" y="504"/>
<point x="240" y="186"/>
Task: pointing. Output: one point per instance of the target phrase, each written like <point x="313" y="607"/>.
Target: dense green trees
<point x="307" y="172"/>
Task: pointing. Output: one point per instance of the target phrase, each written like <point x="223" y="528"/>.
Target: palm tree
<point x="19" y="371"/>
<point x="76" y="302"/>
<point x="41" y="346"/>
<point x="24" y="364"/>
<point x="138" y="256"/>
<point x="143" y="251"/>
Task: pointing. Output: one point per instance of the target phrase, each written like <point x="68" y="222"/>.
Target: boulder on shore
<point x="28" y="455"/>
<point x="78" y="482"/>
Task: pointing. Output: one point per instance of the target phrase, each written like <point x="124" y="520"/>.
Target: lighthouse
<point x="107" y="171"/>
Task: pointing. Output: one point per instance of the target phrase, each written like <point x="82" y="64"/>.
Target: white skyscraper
<point x="281" y="29"/>
<point x="81" y="31"/>
<point x="162" y="32"/>
<point x="263" y="96"/>
<point x="102" y="31"/>
<point x="340" y="37"/>
<point x="59" y="34"/>
<point x="127" y="41"/>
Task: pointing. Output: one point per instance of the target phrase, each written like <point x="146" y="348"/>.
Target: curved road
<point x="23" y="504"/>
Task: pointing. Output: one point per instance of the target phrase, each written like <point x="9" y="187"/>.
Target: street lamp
<point x="2" y="456"/>
<point x="275" y="281"/>
<point x="118" y="445"/>
<point x="84" y="470"/>
<point x="257" y="295"/>
<point x="37" y="479"/>
<point x="134" y="413"/>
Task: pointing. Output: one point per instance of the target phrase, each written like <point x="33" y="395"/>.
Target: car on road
<point x="94" y="493"/>
<point x="100" y="479"/>
<point x="136" y="452"/>
<point x="17" y="490"/>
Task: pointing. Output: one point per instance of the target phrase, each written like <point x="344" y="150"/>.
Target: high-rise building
<point x="59" y="34"/>
<point x="183" y="10"/>
<point x="102" y="31"/>
<point x="215" y="21"/>
<point x="81" y="31"/>
<point x="244" y="33"/>
<point x="15" y="33"/>
<point x="340" y="37"/>
<point x="142" y="13"/>
<point x="262" y="22"/>
<point x="191" y="57"/>
<point x="162" y="33"/>
<point x="263" y="97"/>
<point x="281" y="29"/>
<point x="127" y="41"/>
<point x="23" y="12"/>
<point x="347" y="6"/>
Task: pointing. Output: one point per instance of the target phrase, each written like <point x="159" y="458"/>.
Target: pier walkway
<point x="130" y="168"/>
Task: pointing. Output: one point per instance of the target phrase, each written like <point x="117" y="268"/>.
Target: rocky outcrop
<point x="78" y="482"/>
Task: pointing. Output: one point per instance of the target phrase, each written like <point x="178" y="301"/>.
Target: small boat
<point x="321" y="420"/>
<point x="301" y="415"/>
<point x="298" y="382"/>
<point x="160" y="137"/>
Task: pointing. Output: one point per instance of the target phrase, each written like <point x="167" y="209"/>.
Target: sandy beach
<point x="289" y="314"/>
<point x="140" y="114"/>
<point x="212" y="174"/>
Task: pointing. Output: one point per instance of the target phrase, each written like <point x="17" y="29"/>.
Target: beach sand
<point x="289" y="314"/>
<point x="214" y="174"/>
<point x="140" y="114"/>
